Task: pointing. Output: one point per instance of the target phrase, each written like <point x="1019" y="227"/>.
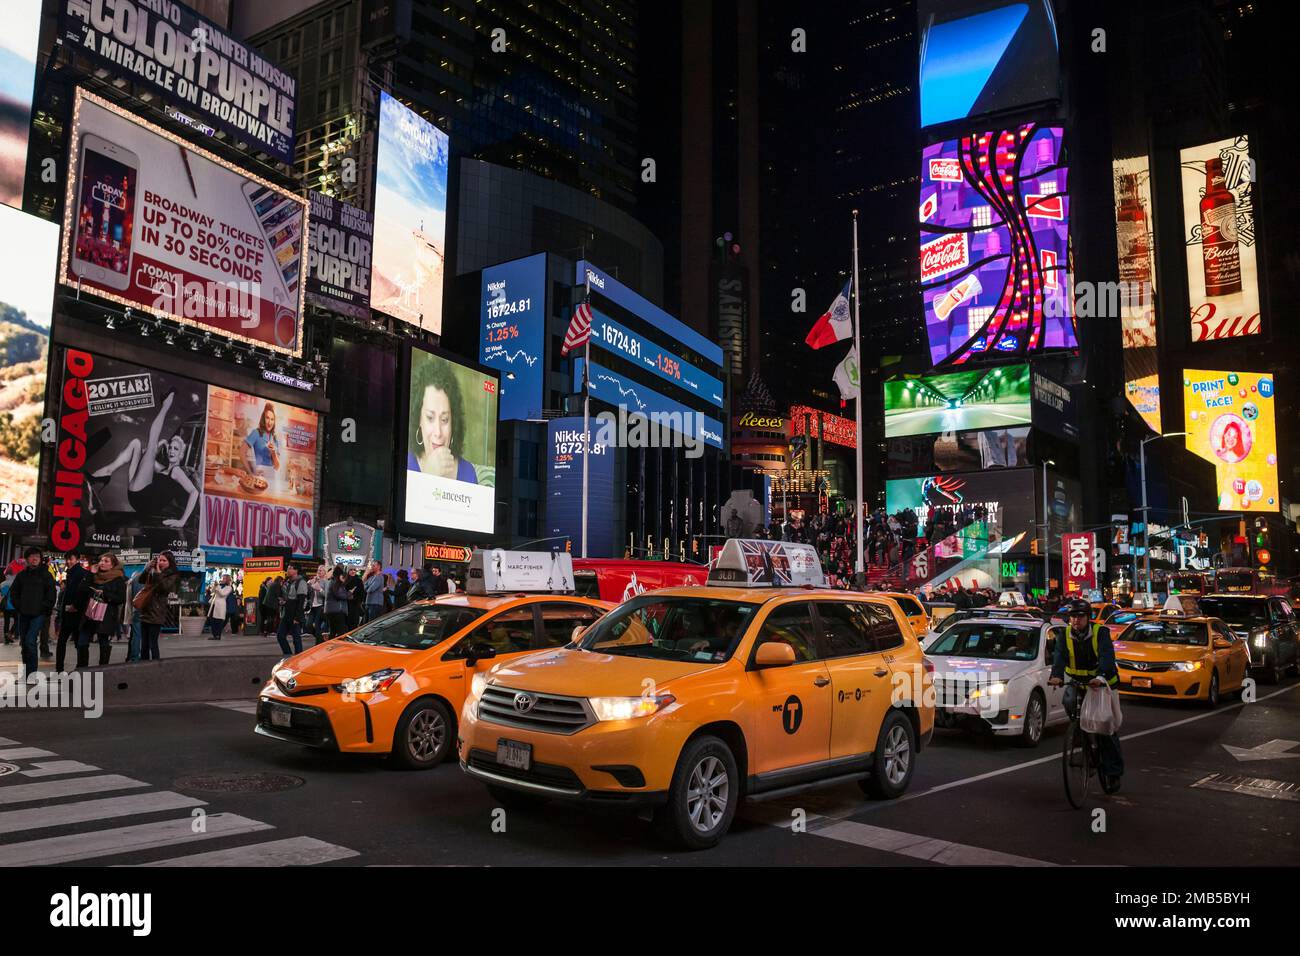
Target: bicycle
<point x="1079" y="756"/>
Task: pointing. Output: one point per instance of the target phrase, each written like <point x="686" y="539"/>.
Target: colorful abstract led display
<point x="995" y="223"/>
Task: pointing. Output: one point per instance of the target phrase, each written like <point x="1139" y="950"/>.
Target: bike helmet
<point x="1080" y="607"/>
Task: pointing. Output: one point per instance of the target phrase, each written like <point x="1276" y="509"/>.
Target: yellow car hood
<point x="588" y="674"/>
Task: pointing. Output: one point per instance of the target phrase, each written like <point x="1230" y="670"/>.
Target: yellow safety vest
<point x="1072" y="665"/>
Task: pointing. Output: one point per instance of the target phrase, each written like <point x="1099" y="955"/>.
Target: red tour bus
<point x="617" y="580"/>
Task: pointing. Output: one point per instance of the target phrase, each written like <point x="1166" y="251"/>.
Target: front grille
<point x="283" y="688"/>
<point x="543" y="774"/>
<point x="549" y="714"/>
<point x="1145" y="667"/>
<point x="955" y="692"/>
<point x="1153" y="689"/>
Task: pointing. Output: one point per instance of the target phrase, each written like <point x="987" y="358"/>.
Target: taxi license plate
<point x="281" y="716"/>
<point x="1141" y="681"/>
<point x="513" y="754"/>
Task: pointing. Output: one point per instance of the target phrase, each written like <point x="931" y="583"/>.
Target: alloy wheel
<point x="707" y="794"/>
<point x="898" y="755"/>
<point x="425" y="734"/>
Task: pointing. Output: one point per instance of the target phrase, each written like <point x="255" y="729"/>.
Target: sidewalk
<point x="169" y="645"/>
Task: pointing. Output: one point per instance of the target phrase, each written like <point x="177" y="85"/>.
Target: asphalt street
<point x="192" y="785"/>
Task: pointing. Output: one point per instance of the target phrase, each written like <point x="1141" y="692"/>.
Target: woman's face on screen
<point x="435" y="419"/>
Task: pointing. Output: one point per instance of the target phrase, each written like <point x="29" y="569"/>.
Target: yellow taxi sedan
<point x="1180" y="658"/>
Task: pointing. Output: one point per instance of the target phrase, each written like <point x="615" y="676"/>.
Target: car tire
<point x="1212" y="695"/>
<point x="895" y="759"/>
<point x="515" y="799"/>
<point x="707" y="769"/>
<point x="424" y="735"/>
<point x="1270" y="674"/>
<point x="1035" y="721"/>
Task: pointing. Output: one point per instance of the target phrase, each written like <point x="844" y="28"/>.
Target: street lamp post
<point x="1047" y="533"/>
<point x="1146" y="521"/>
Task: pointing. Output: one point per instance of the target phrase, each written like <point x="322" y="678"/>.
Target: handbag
<point x="141" y="600"/>
<point x="95" y="609"/>
<point x="1101" y="712"/>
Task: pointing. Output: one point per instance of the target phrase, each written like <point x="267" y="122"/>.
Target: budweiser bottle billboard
<point x="1219" y="234"/>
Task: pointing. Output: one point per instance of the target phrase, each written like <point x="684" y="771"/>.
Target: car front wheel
<point x="423" y="736"/>
<point x="1035" y="721"/>
<point x="702" y="797"/>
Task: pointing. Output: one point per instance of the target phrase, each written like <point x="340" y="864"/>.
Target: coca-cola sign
<point x="945" y="170"/>
<point x="943" y="255"/>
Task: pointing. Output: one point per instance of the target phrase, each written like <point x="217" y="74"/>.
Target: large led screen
<point x="958" y="401"/>
<point x="564" y="488"/>
<point x="1219" y="233"/>
<point x="26" y="305"/>
<point x="18" y="42"/>
<point x="958" y="451"/>
<point x="999" y="505"/>
<point x="450" y="452"/>
<point x="512" y="333"/>
<point x="995" y="224"/>
<point x="1231" y="421"/>
<point x="1135" y="243"/>
<point x="985" y="57"/>
<point x="152" y="222"/>
<point x="410" y="217"/>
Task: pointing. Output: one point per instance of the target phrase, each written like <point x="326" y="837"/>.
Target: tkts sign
<point x="1080" y="574"/>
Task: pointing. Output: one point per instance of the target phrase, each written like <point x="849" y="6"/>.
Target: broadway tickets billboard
<point x="142" y="471"/>
<point x="512" y="332"/>
<point x="151" y="222"/>
<point x="201" y="74"/>
<point x="1219" y="233"/>
<point x="1231" y="421"/>
<point x="995" y="226"/>
<point x="18" y="42"/>
<point x="26" y="305"/>
<point x="958" y="401"/>
<point x="564" y="488"/>
<point x="449" y="478"/>
<point x="259" y="476"/>
<point x="410" y="217"/>
<point x="1080" y="575"/>
<point x="338" y="256"/>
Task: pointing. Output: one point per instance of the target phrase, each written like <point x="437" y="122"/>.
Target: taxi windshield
<point x="1168" y="632"/>
<point x="415" y="628"/>
<point x="989" y="640"/>
<point x="687" y="629"/>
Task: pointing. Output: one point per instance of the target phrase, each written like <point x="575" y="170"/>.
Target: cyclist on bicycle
<point x="1087" y="655"/>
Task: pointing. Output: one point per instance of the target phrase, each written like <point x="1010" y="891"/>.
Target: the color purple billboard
<point x="995" y="224"/>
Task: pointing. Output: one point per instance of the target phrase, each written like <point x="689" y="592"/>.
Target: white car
<point x="993" y="671"/>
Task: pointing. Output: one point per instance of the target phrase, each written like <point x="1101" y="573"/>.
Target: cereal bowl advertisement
<point x="1231" y="421"/>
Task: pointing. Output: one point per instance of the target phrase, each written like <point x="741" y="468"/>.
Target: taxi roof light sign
<point x="496" y="571"/>
<point x="755" y="562"/>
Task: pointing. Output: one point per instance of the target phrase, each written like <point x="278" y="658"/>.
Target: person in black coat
<point x="70" y="613"/>
<point x="32" y="594"/>
<point x="106" y="585"/>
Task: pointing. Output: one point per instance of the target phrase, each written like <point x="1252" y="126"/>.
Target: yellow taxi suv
<point x="1180" y="658"/>
<point x="684" y="701"/>
<point x="912" y="609"/>
<point x="396" y="685"/>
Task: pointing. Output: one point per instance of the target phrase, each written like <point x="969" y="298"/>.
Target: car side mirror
<point x="774" y="654"/>
<point x="578" y="631"/>
<point x="1222" y="643"/>
<point x="479" y="652"/>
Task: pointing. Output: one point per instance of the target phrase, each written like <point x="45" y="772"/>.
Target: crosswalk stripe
<point x="61" y="814"/>
<point x="141" y="836"/>
<point x="6" y="742"/>
<point x="25" y="753"/>
<point x="922" y="848"/>
<point x="295" y="851"/>
<point x="56" y="767"/>
<point x="72" y="787"/>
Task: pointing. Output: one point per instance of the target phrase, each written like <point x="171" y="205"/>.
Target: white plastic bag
<point x="1101" y="713"/>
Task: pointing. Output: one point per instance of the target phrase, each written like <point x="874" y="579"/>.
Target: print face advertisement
<point x="18" y="43"/>
<point x="1231" y="421"/>
<point x="152" y="222"/>
<point x="142" y="472"/>
<point x="451" y="446"/>
<point x="995" y="223"/>
<point x="512" y="332"/>
<point x="259" y="476"/>
<point x="26" y="306"/>
<point x="1219" y="233"/>
<point x="338" y="256"/>
<point x="201" y="74"/>
<point x="410" y="217"/>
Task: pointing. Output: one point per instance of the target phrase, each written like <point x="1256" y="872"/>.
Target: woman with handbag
<point x="160" y="580"/>
<point x="337" y="596"/>
<point x="103" y="595"/>
<point x="218" y="608"/>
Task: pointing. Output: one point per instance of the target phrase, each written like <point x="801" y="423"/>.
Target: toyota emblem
<point x="524" y="703"/>
<point x="291" y="683"/>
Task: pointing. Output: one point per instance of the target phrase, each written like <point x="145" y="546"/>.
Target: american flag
<point x="579" y="329"/>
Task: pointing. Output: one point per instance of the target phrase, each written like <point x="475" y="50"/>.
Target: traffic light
<point x="568" y="545"/>
<point x="1033" y="547"/>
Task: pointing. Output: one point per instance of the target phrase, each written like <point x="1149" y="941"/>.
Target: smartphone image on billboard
<point x="105" y="213"/>
<point x="280" y="219"/>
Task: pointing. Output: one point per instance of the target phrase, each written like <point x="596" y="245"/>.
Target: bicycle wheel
<point x="1076" y="765"/>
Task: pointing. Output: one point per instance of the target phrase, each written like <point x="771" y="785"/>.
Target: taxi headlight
<point x="379" y="680"/>
<point x="625" y="708"/>
<point x="1186" y="665"/>
<point x="477" y="684"/>
<point x="989" y="690"/>
<point x="1260" y="639"/>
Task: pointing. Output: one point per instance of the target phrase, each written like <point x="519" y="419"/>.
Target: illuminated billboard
<point x="153" y="223"/>
<point x="564" y="488"/>
<point x="958" y="451"/>
<point x="410" y="217"/>
<point x="835" y="429"/>
<point x="1219" y="233"/>
<point x="18" y="44"/>
<point x="622" y="392"/>
<point x="450" y="444"/>
<point x="958" y="401"/>
<point x="985" y="57"/>
<point x="512" y="333"/>
<point x="1231" y="421"/>
<point x="995" y="221"/>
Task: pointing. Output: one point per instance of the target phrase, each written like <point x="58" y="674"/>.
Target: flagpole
<point x="586" y="422"/>
<point x="857" y="350"/>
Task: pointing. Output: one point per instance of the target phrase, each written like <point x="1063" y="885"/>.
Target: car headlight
<point x="477" y="684"/>
<point x="1260" y="639"/>
<point x="1186" y="665"/>
<point x="379" y="680"/>
<point x="625" y="708"/>
<point x="989" y="690"/>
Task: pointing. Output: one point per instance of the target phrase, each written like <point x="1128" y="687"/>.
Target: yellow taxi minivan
<point x="396" y="685"/>
<point x="760" y="684"/>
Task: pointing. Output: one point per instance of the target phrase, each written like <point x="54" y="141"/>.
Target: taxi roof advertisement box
<point x="497" y="570"/>
<point x="152" y="222"/>
<point x="201" y="74"/>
